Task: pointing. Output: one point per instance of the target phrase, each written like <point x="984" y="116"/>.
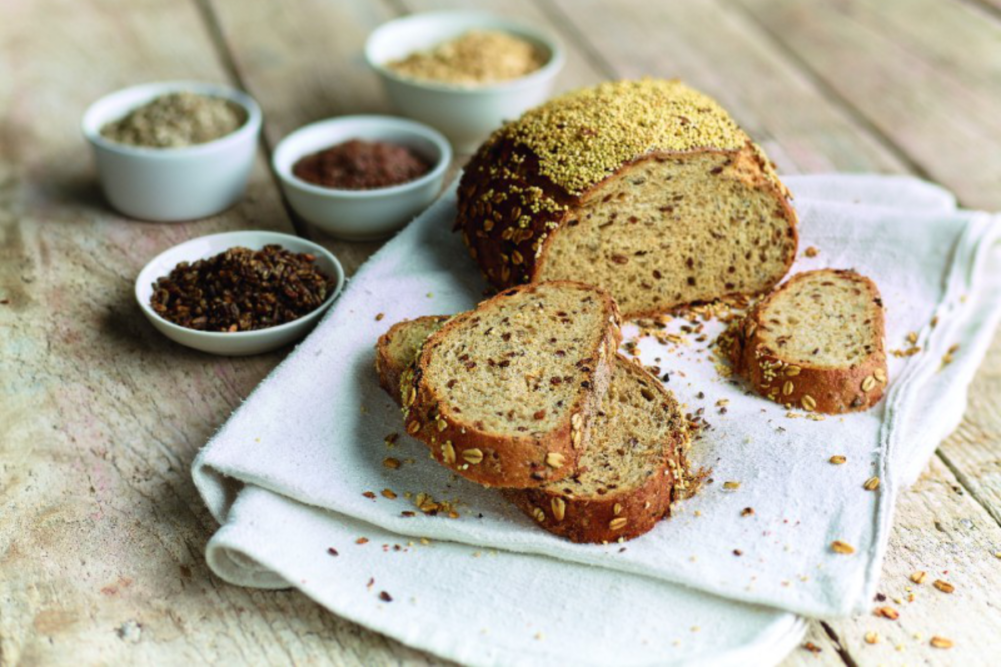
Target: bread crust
<point x="389" y="371"/>
<point x="502" y="460"/>
<point x="594" y="519"/>
<point x="833" y="390"/>
<point x="578" y="518"/>
<point x="509" y="216"/>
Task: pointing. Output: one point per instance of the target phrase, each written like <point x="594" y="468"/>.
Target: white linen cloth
<point x="313" y="433"/>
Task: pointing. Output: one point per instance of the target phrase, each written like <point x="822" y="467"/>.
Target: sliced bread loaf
<point x="505" y="394"/>
<point x="816" y="343"/>
<point x="633" y="467"/>
<point x="647" y="189"/>
<point x="398" y="348"/>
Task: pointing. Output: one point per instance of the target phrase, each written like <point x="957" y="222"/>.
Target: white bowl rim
<point x="403" y="124"/>
<point x="251" y="125"/>
<point x="549" y="69"/>
<point x="273" y="237"/>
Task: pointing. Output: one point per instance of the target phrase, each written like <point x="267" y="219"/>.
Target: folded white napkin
<point x="484" y="607"/>
<point x="314" y="430"/>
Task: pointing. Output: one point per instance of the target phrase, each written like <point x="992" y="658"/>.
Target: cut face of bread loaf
<point x="647" y="189"/>
<point x="816" y="343"/>
<point x="633" y="467"/>
<point x="634" y="464"/>
<point x="505" y="394"/>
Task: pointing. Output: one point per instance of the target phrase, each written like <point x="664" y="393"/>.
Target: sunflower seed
<point x="554" y="459"/>
<point x="559" y="508"/>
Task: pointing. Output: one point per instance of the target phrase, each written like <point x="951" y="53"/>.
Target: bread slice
<point x="632" y="469"/>
<point x="816" y="343"/>
<point x="634" y="465"/>
<point x="647" y="189"/>
<point x="504" y="394"/>
<point x="398" y="348"/>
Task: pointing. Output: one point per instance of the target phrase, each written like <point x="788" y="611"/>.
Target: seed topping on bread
<point x="577" y="147"/>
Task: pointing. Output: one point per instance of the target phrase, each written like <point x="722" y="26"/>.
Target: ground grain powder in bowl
<point x="176" y="120"/>
<point x="361" y="165"/>
<point x="475" y="58"/>
<point x="241" y="290"/>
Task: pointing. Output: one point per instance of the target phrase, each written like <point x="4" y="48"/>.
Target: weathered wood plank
<point x="722" y="53"/>
<point x="973" y="452"/>
<point x="102" y="532"/>
<point x="943" y="118"/>
<point x="303" y="63"/>
<point x="942" y="531"/>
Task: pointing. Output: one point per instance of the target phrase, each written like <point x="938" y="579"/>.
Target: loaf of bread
<point x="647" y="189"/>
<point x="632" y="468"/>
<point x="505" y="394"/>
<point x="815" y="343"/>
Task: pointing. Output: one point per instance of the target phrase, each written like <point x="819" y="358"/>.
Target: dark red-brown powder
<point x="361" y="165"/>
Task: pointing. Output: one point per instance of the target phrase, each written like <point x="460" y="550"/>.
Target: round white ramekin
<point x="172" y="184"/>
<point x="238" y="342"/>
<point x="362" y="215"/>
<point x="466" y="114"/>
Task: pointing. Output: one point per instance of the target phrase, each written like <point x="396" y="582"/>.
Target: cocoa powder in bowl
<point x="361" y="165"/>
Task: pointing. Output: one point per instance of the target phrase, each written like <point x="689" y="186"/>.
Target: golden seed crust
<point x="649" y="115"/>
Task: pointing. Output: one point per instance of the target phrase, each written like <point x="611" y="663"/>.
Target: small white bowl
<point x="238" y="342"/>
<point x="172" y="184"/>
<point x="362" y="215"/>
<point x="466" y="114"/>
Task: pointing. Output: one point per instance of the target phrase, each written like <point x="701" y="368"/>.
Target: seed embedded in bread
<point x="825" y="328"/>
<point x="482" y="381"/>
<point x="633" y="467"/>
<point x="645" y="188"/>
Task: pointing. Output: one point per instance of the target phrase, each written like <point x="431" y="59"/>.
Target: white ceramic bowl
<point x="238" y="342"/>
<point x="362" y="215"/>
<point x="172" y="184"/>
<point x="467" y="115"/>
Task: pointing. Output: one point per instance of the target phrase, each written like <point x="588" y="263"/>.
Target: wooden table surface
<point x="101" y="530"/>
